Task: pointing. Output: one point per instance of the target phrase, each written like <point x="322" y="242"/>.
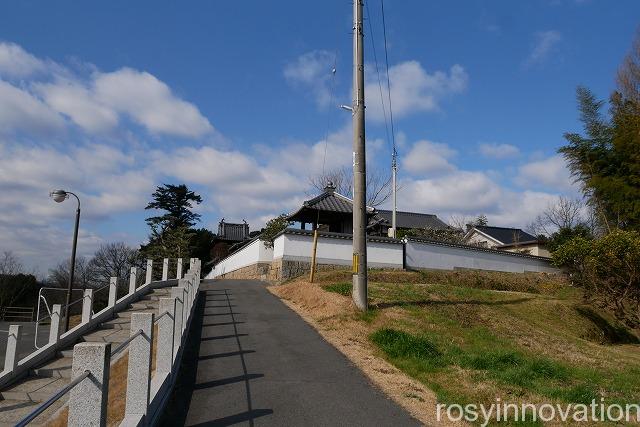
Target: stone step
<point x="143" y="305"/>
<point x="116" y="323"/>
<point x="13" y="411"/>
<point x="57" y="368"/>
<point x="34" y="388"/>
<point x="107" y="335"/>
<point x="127" y="314"/>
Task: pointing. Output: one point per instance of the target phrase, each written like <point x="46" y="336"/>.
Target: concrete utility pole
<point x="394" y="172"/>
<point x="359" y="166"/>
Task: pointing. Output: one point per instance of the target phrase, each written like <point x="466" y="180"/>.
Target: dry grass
<point x="330" y="313"/>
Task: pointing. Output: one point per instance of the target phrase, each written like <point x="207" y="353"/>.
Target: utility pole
<point x="359" y="166"/>
<point x="394" y="172"/>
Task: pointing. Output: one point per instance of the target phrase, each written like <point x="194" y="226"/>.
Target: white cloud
<point x="460" y="191"/>
<point x="80" y="104"/>
<point x="428" y="158"/>
<point x="312" y="70"/>
<point x="544" y="43"/>
<point x="94" y="102"/>
<point x="498" y="151"/>
<point x="150" y="102"/>
<point x="15" y="62"/>
<point x="20" y="111"/>
<point x="414" y="90"/>
<point x="551" y="173"/>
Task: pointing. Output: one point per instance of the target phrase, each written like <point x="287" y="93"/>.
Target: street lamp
<point x="60" y="196"/>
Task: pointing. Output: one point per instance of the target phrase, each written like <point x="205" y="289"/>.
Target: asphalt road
<point x="26" y="344"/>
<point x="253" y="361"/>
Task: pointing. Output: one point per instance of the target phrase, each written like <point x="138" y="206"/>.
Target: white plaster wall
<point x="278" y="246"/>
<point x="425" y="255"/>
<point x="337" y="251"/>
<point x="253" y="253"/>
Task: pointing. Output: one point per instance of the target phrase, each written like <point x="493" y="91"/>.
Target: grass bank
<point x="471" y="337"/>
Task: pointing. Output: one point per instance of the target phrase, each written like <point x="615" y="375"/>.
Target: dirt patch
<point x="325" y="312"/>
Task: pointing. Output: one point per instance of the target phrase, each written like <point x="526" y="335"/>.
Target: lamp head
<point x="59" y="196"/>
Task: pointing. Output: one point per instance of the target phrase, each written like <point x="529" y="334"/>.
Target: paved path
<point x="253" y="361"/>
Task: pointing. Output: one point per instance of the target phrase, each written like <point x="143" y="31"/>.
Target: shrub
<point x="608" y="268"/>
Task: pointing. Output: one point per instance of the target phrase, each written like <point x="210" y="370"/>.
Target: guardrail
<point x="146" y="395"/>
<point x="16" y="314"/>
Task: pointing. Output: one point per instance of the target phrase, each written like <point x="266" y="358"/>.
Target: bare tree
<point x="629" y="73"/>
<point x="59" y="276"/>
<point x="112" y="260"/>
<point x="565" y="213"/>
<point x="10" y="264"/>
<point x="378" y="184"/>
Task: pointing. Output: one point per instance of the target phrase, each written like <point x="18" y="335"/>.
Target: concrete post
<point x="139" y="370"/>
<point x="184" y="283"/>
<point x="87" y="305"/>
<point x="11" y="355"/>
<point x="164" y="352"/>
<point x="179" y="269"/>
<point x="149" y="271"/>
<point x="88" y="399"/>
<point x="178" y="294"/>
<point x="133" y="279"/>
<point x="165" y="269"/>
<point x="54" y="332"/>
<point x="113" y="291"/>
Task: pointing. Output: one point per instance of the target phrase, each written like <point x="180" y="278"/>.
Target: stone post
<point x="149" y="271"/>
<point x="139" y="370"/>
<point x="184" y="283"/>
<point x="164" y="353"/>
<point x="178" y="294"/>
<point x="165" y="269"/>
<point x="54" y="332"/>
<point x="179" y="269"/>
<point x="133" y="279"/>
<point x="87" y="305"/>
<point x="11" y="355"/>
<point x="113" y="291"/>
<point x="88" y="399"/>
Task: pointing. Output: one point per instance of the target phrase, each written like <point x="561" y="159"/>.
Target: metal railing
<point x="53" y="399"/>
<point x="17" y="314"/>
<point x="143" y="404"/>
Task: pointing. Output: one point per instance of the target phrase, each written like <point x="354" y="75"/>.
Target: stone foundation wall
<point x="258" y="271"/>
<point x="277" y="271"/>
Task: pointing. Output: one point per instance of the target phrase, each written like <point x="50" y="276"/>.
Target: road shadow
<point x="177" y="409"/>
<point x="428" y="302"/>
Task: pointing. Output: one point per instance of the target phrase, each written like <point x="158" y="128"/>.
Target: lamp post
<point x="60" y="196"/>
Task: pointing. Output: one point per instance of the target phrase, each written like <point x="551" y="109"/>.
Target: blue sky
<point x="233" y="98"/>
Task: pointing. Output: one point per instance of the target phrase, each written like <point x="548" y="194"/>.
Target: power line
<point x="375" y="59"/>
<point x="386" y="59"/>
<point x="326" y="134"/>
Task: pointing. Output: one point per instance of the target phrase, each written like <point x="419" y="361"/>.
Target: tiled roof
<point x="330" y="201"/>
<point x="506" y="235"/>
<point x="413" y="219"/>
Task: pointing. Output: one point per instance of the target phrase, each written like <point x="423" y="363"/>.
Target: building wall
<point x="291" y="257"/>
<point x="420" y="254"/>
<point x="336" y="250"/>
<point x="533" y="249"/>
<point x="253" y="253"/>
<point x="481" y="240"/>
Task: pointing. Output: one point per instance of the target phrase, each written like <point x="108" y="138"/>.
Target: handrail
<point x="63" y="308"/>
<point x="126" y="342"/>
<point x="40" y="409"/>
<point x="166" y="313"/>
